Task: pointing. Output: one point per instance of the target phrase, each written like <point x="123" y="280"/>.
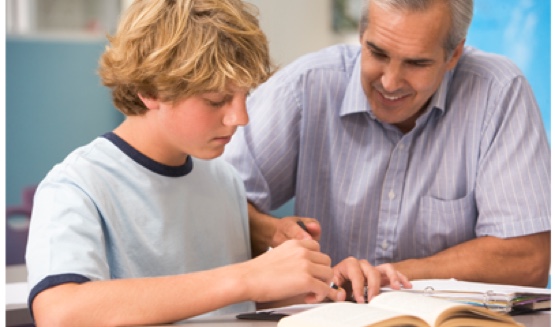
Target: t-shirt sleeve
<point x="66" y="240"/>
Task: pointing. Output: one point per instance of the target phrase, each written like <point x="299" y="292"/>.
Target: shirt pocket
<point x="442" y="224"/>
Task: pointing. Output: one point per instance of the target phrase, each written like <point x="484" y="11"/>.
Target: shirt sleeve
<point x="66" y="239"/>
<point x="513" y="186"/>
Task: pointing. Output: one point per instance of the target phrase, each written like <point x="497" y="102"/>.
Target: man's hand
<point x="288" y="228"/>
<point x="269" y="232"/>
<point x="354" y="275"/>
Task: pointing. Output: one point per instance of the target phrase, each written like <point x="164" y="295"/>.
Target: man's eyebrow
<point x="416" y="60"/>
<point x="375" y="48"/>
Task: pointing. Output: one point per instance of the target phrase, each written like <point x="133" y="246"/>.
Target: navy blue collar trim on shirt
<point x="154" y="166"/>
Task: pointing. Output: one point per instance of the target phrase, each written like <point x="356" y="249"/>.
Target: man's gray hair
<point x="461" y="16"/>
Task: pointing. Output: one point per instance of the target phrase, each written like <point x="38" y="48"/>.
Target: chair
<point x="17" y="227"/>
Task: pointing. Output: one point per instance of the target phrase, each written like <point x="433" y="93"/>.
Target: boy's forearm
<point x="139" y="301"/>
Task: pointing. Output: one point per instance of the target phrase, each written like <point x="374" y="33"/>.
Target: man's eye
<point x="378" y="55"/>
<point x="419" y="63"/>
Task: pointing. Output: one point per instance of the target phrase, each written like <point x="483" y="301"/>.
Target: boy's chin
<point x="207" y="155"/>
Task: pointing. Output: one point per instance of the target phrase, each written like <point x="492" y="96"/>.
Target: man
<point x="409" y="149"/>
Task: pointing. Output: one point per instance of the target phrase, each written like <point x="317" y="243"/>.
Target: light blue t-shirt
<point x="477" y="162"/>
<point x="109" y="212"/>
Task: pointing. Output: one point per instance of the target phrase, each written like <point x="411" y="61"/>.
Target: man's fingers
<point x="297" y="228"/>
<point x="392" y="277"/>
<point x="405" y="282"/>
<point x="373" y="280"/>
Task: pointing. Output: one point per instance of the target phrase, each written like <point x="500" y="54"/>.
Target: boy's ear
<point x="150" y="103"/>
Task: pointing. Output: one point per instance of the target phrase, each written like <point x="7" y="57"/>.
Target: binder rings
<point x="504" y="298"/>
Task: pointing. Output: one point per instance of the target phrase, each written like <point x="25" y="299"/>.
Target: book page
<point x="425" y="307"/>
<point x="347" y="314"/>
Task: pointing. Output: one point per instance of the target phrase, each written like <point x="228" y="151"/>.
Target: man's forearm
<point x="262" y="229"/>
<point x="517" y="261"/>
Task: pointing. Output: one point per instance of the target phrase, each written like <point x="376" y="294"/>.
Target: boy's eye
<point x="216" y="103"/>
<point x="216" y="100"/>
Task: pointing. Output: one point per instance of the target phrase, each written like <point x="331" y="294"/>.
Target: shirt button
<point x="401" y="146"/>
<point x="384" y="245"/>
<point x="391" y="195"/>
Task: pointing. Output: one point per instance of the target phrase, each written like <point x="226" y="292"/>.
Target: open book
<point x="497" y="297"/>
<point x="398" y="308"/>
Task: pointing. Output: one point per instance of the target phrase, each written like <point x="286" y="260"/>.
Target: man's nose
<point x="392" y="77"/>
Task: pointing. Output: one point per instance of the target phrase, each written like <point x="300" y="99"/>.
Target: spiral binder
<point x="487" y="299"/>
<point x="496" y="297"/>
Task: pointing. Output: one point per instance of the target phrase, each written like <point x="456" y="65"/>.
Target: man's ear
<point x="150" y="103"/>
<point x="457" y="53"/>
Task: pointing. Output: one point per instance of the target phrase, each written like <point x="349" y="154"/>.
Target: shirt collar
<point x="439" y="99"/>
<point x="355" y="100"/>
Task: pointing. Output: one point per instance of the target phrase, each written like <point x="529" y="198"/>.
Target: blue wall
<point x="520" y="30"/>
<point x="54" y="103"/>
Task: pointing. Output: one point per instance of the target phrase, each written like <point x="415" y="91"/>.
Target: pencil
<point x="303" y="226"/>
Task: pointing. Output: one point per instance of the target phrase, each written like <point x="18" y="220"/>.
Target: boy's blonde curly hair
<point x="173" y="49"/>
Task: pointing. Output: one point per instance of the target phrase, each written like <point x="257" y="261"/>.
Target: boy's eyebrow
<point x="215" y="92"/>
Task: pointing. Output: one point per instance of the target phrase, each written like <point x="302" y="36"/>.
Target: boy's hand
<point x="294" y="268"/>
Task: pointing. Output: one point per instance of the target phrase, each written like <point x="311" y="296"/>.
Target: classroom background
<point x="55" y="102"/>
